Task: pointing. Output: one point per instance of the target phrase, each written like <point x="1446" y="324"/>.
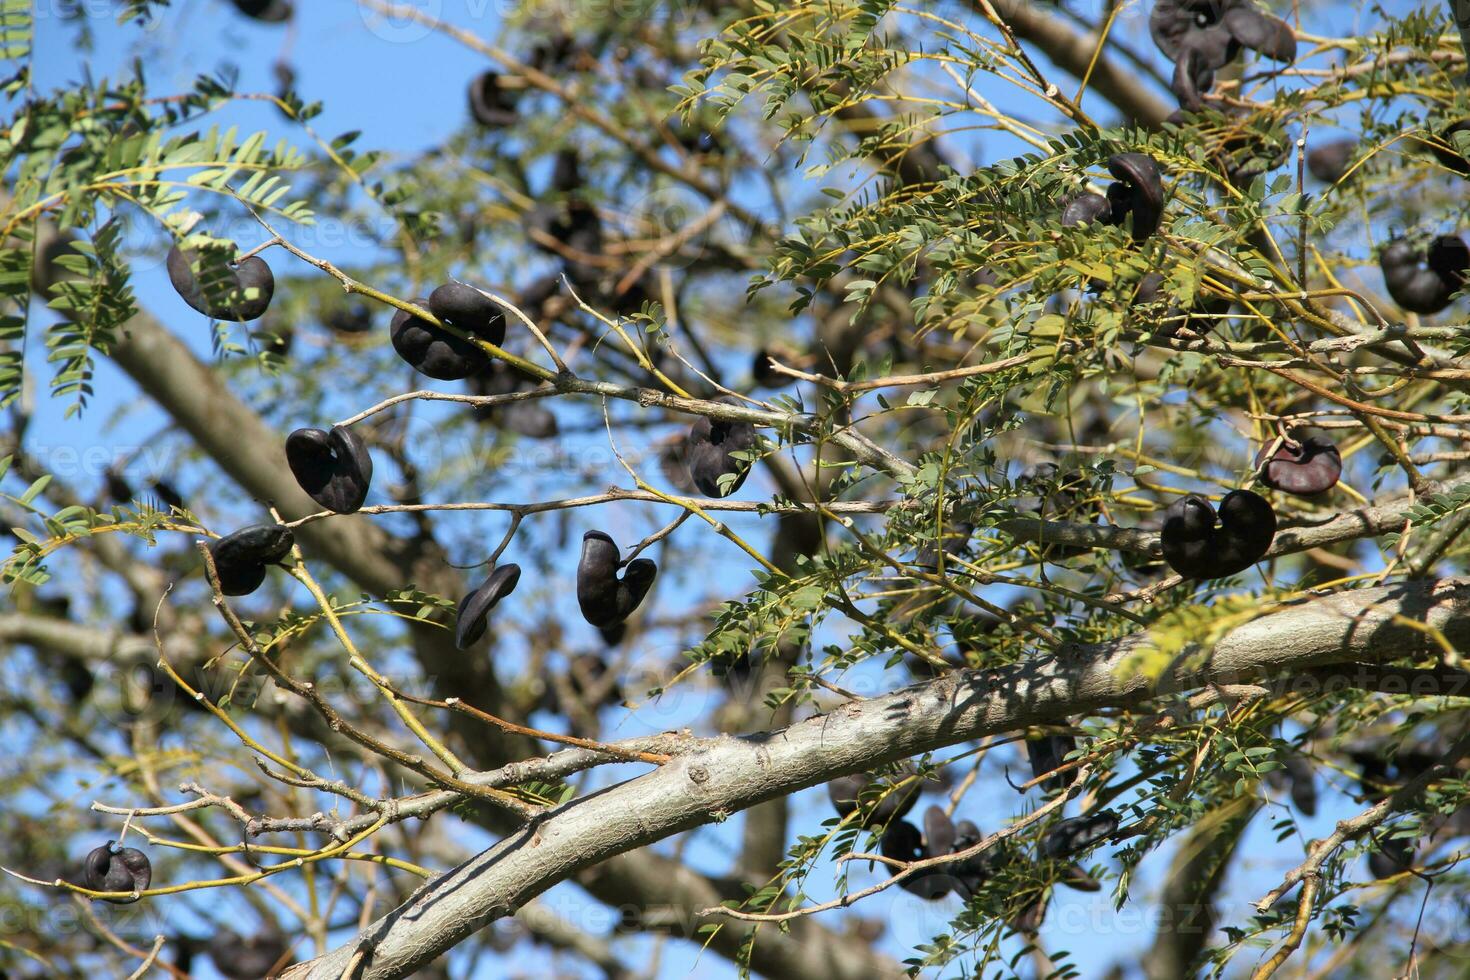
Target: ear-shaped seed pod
<point x="1330" y="161"/>
<point x="939" y="832"/>
<point x="334" y="468"/>
<point x="1444" y="149"/>
<point x="847" y="792"/>
<point x="1139" y="192"/>
<point x="238" y="958"/>
<point x="1176" y="23"/>
<point x="1077" y="834"/>
<point x="492" y="104"/>
<point x="240" y="558"/>
<point x="465" y="307"/>
<point x="1195" y="548"/>
<point x="1193" y="76"/>
<point x="1259" y="31"/>
<point x="902" y="841"/>
<point x="432" y="351"/>
<point x="266" y="11"/>
<point x="1048" y="753"/>
<point x="1085" y="208"/>
<point x="236" y="292"/>
<point x="110" y="868"/>
<point x="1426" y="287"/>
<point x="475" y="607"/>
<point x="1074" y="876"/>
<point x="1310" y="467"/>
<point x="708" y="451"/>
<point x="607" y="600"/>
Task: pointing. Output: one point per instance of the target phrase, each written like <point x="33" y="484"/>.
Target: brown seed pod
<point x="1424" y="282"/>
<point x="1311" y="466"/>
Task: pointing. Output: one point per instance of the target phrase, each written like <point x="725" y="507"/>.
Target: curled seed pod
<point x="492" y="104"/>
<point x="606" y="599"/>
<point x="1047" y="754"/>
<point x="266" y="11"/>
<point x="475" y="607"/>
<point x="119" y="490"/>
<point x="1085" y="208"/>
<point x="708" y="454"/>
<point x="902" y="841"/>
<point x="239" y="958"/>
<point x="1310" y="467"/>
<point x="971" y="873"/>
<point x="939" y="832"/>
<point x="1425" y="282"/>
<point x="1394" y="855"/>
<point x="1139" y="192"/>
<point x="432" y="351"/>
<point x="237" y="292"/>
<point x="1444" y="150"/>
<point x="240" y="558"/>
<point x="847" y="794"/>
<point x="1220" y="27"/>
<point x="1329" y="162"/>
<point x="1194" y="547"/>
<point x="463" y="306"/>
<point x="334" y="467"/>
<point x="1077" y="834"/>
<point x="110" y="868"/>
<point x="1193" y="75"/>
<point x="349" y="319"/>
<point x="1076" y="877"/>
<point x="165" y="497"/>
<point x="1297" y="776"/>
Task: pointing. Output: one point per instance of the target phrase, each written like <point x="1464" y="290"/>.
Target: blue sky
<point x="405" y="93"/>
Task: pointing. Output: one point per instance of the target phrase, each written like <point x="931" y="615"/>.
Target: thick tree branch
<point x="731" y="774"/>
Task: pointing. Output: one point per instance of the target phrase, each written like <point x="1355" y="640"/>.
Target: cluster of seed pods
<point x="1203" y="36"/>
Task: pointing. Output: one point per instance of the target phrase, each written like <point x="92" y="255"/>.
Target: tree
<point x="1086" y="517"/>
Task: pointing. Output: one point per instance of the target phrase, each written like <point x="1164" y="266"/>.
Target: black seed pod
<point x="607" y="600"/>
<point x="708" y="454"/>
<point x="432" y="351"/>
<point x="1329" y="162"/>
<point x="238" y="293"/>
<point x="240" y="558"/>
<point x="475" y="607"/>
<point x="846" y="792"/>
<point x="1048" y="753"/>
<point x="465" y="307"/>
<point x="1077" y="834"/>
<point x="239" y="958"/>
<point x="1425" y="282"/>
<point x="1444" y="149"/>
<point x="334" y="468"/>
<point x="1138" y="190"/>
<point x="492" y="104"/>
<point x="166" y="496"/>
<point x="110" y="868"/>
<point x="1194" y="547"/>
<point x="1310" y="467"/>
<point x="265" y="11"/>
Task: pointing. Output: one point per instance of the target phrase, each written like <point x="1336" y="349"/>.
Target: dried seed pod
<point x="708" y="454"/>
<point x="239" y="958"/>
<point x="463" y="306"/>
<point x="475" y="607"/>
<point x="492" y="104"/>
<point x="1444" y="150"/>
<point x="1311" y="466"/>
<point x="1048" y="753"/>
<point x="110" y="868"/>
<point x="1220" y="27"/>
<point x="432" y="351"/>
<point x="1394" y="855"/>
<point x="1077" y="834"/>
<point x="1425" y="282"/>
<point x="1329" y="162"/>
<point x="606" y="599"/>
<point x="334" y="467"/>
<point x="349" y="319"/>
<point x="165" y="497"/>
<point x="1138" y="190"/>
<point x="237" y="292"/>
<point x="266" y="11"/>
<point x="847" y="792"/>
<point x="1194" y="547"/>
<point x="240" y="559"/>
<point x="119" y="490"/>
<point x="1076" y="877"/>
